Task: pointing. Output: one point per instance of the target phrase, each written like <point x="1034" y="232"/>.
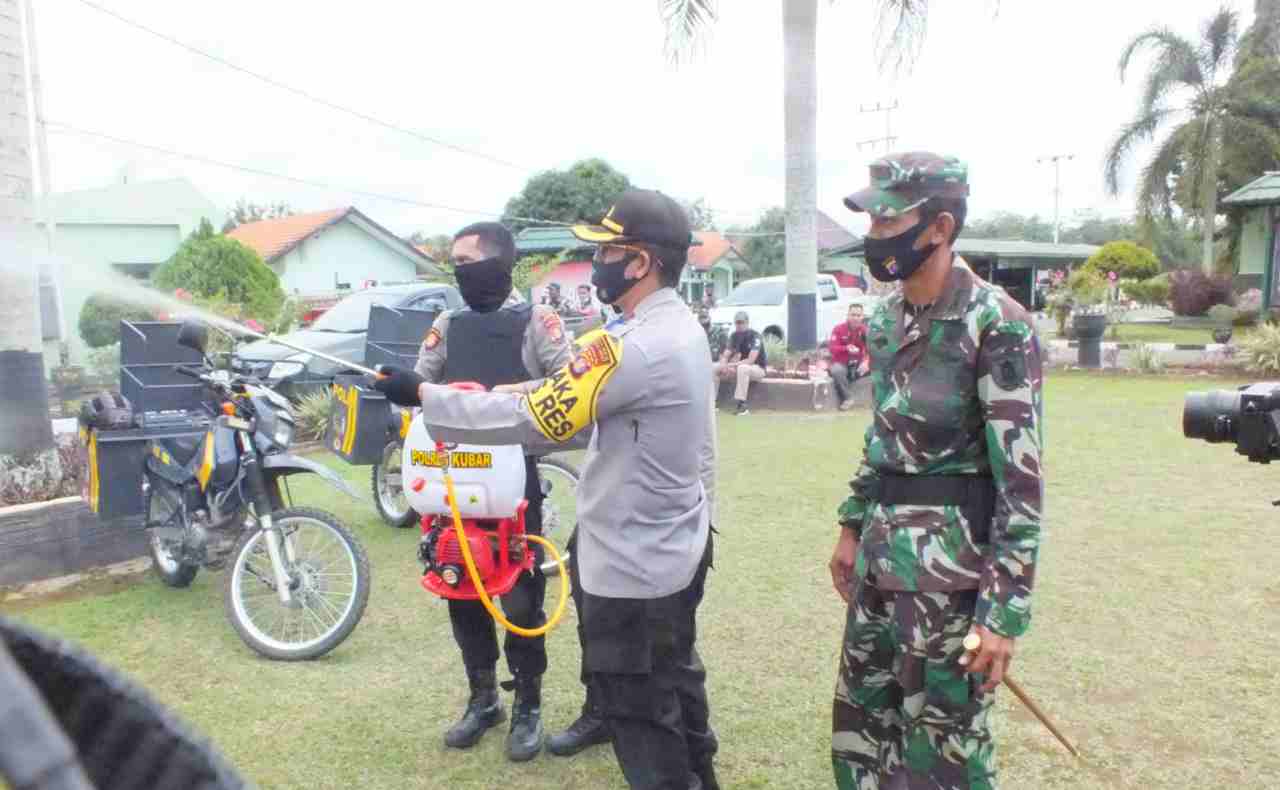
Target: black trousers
<point x="475" y="631"/>
<point x="641" y="655"/>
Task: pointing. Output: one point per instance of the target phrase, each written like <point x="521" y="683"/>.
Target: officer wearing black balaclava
<point x="501" y="342"/>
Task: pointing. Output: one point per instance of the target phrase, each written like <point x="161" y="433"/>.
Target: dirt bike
<point x="298" y="581"/>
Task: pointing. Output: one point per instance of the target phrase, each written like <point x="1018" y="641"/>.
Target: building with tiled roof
<point x="326" y="251"/>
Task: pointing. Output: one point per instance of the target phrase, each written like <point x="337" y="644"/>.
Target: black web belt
<point x="975" y="495"/>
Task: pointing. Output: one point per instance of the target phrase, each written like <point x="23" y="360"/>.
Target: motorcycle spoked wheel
<point x="329" y="581"/>
<point x="168" y="565"/>
<point x="387" y="482"/>
<point x="559" y="507"/>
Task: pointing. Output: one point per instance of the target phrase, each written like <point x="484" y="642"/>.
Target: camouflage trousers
<point x="906" y="717"/>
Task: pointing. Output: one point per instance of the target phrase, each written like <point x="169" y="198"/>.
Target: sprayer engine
<point x="489" y="486"/>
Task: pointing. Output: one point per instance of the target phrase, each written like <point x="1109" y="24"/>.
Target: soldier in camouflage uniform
<point x="940" y="536"/>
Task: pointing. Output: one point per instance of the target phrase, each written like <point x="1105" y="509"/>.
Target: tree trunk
<point x="1209" y="196"/>
<point x="28" y="460"/>
<point x="800" y="107"/>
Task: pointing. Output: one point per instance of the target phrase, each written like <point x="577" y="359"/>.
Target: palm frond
<point x="1154" y="190"/>
<point x="1173" y="48"/>
<point x="688" y="23"/>
<point x="1173" y="68"/>
<point x="900" y="31"/>
<point x="1219" y="36"/>
<point x="1139" y="131"/>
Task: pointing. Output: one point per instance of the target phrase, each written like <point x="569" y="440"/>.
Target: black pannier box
<point x="359" y="420"/>
<point x="116" y="459"/>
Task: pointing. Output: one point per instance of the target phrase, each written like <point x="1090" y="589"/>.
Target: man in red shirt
<point x="849" y="359"/>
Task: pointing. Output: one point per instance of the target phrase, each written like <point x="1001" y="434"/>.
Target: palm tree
<point x="25" y="429"/>
<point x="1189" y="86"/>
<point x="901" y="28"/>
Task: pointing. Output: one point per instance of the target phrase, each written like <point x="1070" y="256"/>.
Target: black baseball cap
<point x="641" y="215"/>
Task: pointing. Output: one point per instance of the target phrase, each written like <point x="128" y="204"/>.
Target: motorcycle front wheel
<point x="328" y="581"/>
<point x="559" y="507"/>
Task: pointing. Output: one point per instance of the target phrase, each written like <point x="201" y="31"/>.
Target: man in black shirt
<point x="742" y="360"/>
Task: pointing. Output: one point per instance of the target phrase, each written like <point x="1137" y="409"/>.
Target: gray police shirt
<point x="643" y="507"/>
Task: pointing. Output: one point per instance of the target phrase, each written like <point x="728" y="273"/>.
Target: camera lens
<point x="1213" y="416"/>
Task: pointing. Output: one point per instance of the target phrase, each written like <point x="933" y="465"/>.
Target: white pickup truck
<point x="765" y="301"/>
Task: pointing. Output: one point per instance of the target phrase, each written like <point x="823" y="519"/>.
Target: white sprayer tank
<point x="488" y="479"/>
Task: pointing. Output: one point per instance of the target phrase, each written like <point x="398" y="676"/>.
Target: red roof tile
<point x="713" y="248"/>
<point x="272" y="238"/>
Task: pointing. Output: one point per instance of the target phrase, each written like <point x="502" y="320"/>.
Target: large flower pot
<point x="1089" y="330"/>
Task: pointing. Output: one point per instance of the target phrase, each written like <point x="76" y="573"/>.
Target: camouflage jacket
<point x="957" y="391"/>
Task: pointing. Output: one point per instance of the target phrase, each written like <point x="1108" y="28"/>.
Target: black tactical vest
<point x="487" y="347"/>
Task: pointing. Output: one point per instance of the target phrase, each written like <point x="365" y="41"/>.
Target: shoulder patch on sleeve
<point x="566" y="401"/>
<point x="432" y="339"/>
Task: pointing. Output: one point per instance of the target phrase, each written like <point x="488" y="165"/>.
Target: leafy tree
<point x="1128" y="260"/>
<point x="246" y="212"/>
<point x="1010" y="225"/>
<point x="101" y="316"/>
<point x="208" y="265"/>
<point x="1221" y="116"/>
<point x="584" y="192"/>
<point x="765" y="254"/>
<point x="701" y="216"/>
<point x="438" y="246"/>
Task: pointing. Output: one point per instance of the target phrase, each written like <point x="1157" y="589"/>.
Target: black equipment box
<point x="359" y="420"/>
<point x="116" y="460"/>
<point x="165" y="404"/>
<point x="395" y="335"/>
<point x="149" y="351"/>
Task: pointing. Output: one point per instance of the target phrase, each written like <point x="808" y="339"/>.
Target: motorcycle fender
<point x="281" y="465"/>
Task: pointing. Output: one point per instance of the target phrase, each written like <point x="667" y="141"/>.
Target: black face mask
<point x="895" y="258"/>
<point x="610" y="279"/>
<point x="485" y="284"/>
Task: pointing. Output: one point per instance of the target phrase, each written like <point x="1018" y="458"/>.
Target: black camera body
<point x="1249" y="417"/>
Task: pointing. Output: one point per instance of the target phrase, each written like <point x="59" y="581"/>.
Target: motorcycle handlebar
<point x="189" y="371"/>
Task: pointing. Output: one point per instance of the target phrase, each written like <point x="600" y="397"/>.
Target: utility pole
<point x="53" y="270"/>
<point x="1057" y="186"/>
<point x="888" y="138"/>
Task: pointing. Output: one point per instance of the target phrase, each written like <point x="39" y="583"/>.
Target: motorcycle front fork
<point x="280" y="547"/>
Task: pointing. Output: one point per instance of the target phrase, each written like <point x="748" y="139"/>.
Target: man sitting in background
<point x="849" y="358"/>
<point x="743" y="359"/>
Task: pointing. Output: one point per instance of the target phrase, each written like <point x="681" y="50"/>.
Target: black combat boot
<point x="484" y="710"/>
<point x="525" y="739"/>
<point x="588" y="730"/>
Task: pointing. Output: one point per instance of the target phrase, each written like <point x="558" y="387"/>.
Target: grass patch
<point x="1153" y="640"/>
<point x="1163" y="333"/>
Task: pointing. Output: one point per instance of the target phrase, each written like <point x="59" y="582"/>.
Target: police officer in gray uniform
<point x="639" y="392"/>
<point x="498" y="341"/>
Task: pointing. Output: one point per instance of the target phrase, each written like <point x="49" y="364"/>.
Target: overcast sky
<point x="541" y="85"/>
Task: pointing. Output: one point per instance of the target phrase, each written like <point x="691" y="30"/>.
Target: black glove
<point x="400" y="385"/>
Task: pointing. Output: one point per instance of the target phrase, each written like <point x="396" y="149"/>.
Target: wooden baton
<point x="971" y="643"/>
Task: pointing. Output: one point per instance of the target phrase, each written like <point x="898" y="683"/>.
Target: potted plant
<point x="1088" y="314"/>
<point x="1223" y="317"/>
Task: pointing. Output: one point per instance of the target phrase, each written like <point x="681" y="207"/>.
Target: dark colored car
<point x="340" y="332"/>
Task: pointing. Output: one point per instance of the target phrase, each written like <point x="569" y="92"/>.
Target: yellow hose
<point x="474" y="574"/>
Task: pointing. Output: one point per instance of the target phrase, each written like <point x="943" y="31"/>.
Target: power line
<point x="306" y="182"/>
<point x="300" y="92"/>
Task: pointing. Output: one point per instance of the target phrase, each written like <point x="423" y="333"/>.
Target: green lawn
<point x="1153" y="643"/>
<point x="1163" y="333"/>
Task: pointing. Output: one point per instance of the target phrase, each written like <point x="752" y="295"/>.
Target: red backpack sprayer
<point x="474" y="544"/>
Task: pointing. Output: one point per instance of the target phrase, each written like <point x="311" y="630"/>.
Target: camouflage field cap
<point x="901" y="182"/>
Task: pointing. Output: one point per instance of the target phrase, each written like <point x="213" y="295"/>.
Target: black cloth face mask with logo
<point x="485" y="284"/>
<point x="896" y="257"/>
